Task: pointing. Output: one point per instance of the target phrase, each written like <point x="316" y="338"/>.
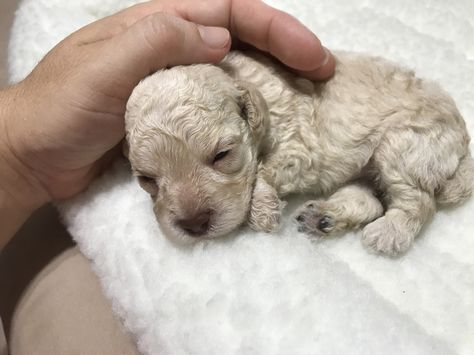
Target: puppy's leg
<point x="408" y="210"/>
<point x="350" y="207"/>
<point x="409" y="174"/>
<point x="265" y="208"/>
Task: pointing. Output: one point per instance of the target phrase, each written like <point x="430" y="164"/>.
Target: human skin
<point x="61" y="125"/>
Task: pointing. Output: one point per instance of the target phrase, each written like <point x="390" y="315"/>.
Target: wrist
<point x="18" y="186"/>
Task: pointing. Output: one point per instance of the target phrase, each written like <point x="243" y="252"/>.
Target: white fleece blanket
<point x="254" y="293"/>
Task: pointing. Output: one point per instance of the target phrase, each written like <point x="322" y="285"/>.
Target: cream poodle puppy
<point x="218" y="145"/>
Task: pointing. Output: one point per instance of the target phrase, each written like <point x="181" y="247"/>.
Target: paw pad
<point x="325" y="224"/>
<point x="312" y="220"/>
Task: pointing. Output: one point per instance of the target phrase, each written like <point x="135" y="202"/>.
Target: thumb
<point x="161" y="40"/>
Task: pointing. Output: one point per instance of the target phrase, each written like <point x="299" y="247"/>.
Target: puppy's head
<point x="193" y="135"/>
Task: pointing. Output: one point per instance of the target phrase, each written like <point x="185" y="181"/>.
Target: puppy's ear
<point x="253" y="109"/>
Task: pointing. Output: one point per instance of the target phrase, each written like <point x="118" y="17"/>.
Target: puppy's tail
<point x="459" y="188"/>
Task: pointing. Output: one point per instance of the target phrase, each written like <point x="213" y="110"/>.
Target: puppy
<point x="218" y="145"/>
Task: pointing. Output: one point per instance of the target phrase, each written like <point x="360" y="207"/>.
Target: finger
<point x="119" y="22"/>
<point x="324" y="72"/>
<point x="267" y="29"/>
<point x="159" y="41"/>
<point x="278" y="33"/>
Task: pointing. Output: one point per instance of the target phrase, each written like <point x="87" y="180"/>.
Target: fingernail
<point x="214" y="37"/>
<point x="327" y="55"/>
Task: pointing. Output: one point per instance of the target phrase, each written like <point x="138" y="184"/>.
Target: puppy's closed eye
<point x="221" y="155"/>
<point x="225" y="148"/>
<point x="229" y="160"/>
<point x="148" y="184"/>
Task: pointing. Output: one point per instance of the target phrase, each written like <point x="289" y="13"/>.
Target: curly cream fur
<point x="373" y="121"/>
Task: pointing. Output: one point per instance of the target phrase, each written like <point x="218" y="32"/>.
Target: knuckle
<point x="163" y="32"/>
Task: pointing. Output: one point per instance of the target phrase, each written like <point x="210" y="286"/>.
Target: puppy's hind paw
<point x="385" y="237"/>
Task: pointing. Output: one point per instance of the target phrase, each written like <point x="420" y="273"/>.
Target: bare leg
<point x="348" y="208"/>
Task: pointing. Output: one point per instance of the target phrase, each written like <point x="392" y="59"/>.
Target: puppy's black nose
<point x="197" y="224"/>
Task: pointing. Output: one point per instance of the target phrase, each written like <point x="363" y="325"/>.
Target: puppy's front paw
<point x="266" y="219"/>
<point x="265" y="209"/>
<point x="386" y="237"/>
<point x="314" y="217"/>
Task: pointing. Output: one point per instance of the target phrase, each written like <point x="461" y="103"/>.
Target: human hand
<point x="63" y="121"/>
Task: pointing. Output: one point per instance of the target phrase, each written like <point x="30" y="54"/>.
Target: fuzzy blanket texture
<point x="254" y="293"/>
